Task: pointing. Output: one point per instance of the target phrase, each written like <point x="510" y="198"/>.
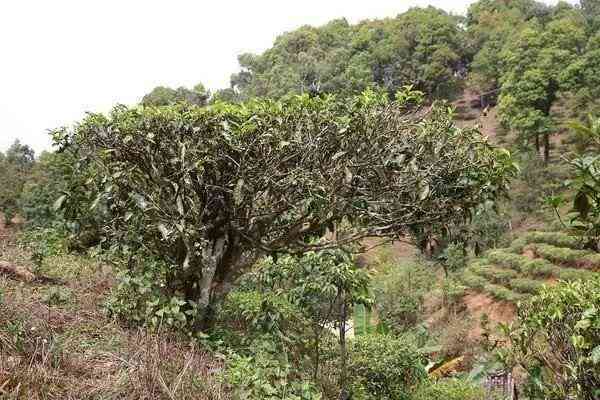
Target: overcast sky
<point x="60" y="58"/>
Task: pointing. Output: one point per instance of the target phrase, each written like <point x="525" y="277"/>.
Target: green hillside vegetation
<point x="397" y="209"/>
<point x="514" y="273"/>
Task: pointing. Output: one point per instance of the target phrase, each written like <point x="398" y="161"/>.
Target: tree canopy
<point x="211" y="189"/>
<point x="163" y="96"/>
<point x="421" y="47"/>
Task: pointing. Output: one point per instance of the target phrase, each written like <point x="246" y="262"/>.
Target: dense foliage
<point x="209" y="190"/>
<point x="557" y="340"/>
<point x="421" y="47"/>
<point x="164" y="96"/>
<point x="232" y="215"/>
<point x="15" y="165"/>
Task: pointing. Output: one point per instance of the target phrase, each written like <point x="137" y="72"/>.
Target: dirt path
<point x="479" y="304"/>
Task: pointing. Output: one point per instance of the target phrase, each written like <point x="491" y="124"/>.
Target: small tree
<point x="209" y="190"/>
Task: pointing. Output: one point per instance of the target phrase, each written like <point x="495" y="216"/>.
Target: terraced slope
<point x="537" y="258"/>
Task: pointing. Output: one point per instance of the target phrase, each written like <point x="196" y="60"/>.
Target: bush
<point x="517" y="245"/>
<point x="524" y="285"/>
<point x="44" y="242"/>
<point x="267" y="374"/>
<point x="140" y="297"/>
<point x="452" y="293"/>
<point x="473" y="281"/>
<point x="495" y="275"/>
<point x="535" y="267"/>
<point x="538" y="268"/>
<point x="257" y="312"/>
<point x="210" y="189"/>
<point x="556" y="340"/>
<point x="506" y="259"/>
<point x="571" y="274"/>
<point x="503" y="294"/>
<point x="383" y="367"/>
<point x="454" y="257"/>
<point x="399" y="293"/>
<point x="562" y="255"/>
<point x="449" y="389"/>
<point x="559" y="239"/>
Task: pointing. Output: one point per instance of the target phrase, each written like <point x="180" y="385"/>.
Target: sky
<point x="60" y="59"/>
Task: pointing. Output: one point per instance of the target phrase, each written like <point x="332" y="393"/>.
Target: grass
<point x="56" y="342"/>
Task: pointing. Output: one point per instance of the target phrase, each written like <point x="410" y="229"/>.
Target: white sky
<point x="61" y="58"/>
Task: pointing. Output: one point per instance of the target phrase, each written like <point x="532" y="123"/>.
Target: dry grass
<point x="70" y="349"/>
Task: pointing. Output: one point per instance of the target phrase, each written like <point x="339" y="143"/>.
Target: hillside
<point x="536" y="258"/>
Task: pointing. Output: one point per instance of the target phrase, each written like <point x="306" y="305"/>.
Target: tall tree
<point x="532" y="82"/>
<point x="421" y="47"/>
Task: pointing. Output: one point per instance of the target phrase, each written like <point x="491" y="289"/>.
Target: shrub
<point x="452" y="293"/>
<point x="495" y="275"/>
<point x="267" y="374"/>
<point x="506" y="259"/>
<point x="140" y="297"/>
<point x="399" y="292"/>
<point x="15" y="168"/>
<point x="503" y="294"/>
<point x="538" y="268"/>
<point x="56" y="296"/>
<point x="561" y="255"/>
<point x="454" y="257"/>
<point x="571" y="274"/>
<point x="473" y="281"/>
<point x="45" y="242"/>
<point x="559" y="239"/>
<point x="517" y="245"/>
<point x="258" y="312"/>
<point x="449" y="389"/>
<point x="383" y="367"/>
<point x="556" y="340"/>
<point x="524" y="285"/>
<point x="526" y="265"/>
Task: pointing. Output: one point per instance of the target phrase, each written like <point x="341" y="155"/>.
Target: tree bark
<point x="221" y="264"/>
